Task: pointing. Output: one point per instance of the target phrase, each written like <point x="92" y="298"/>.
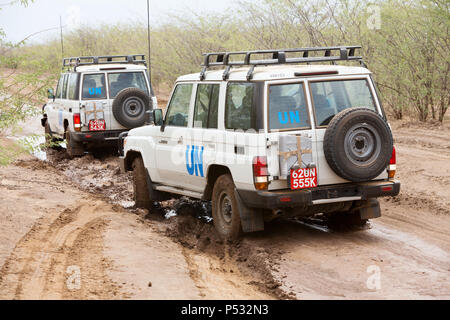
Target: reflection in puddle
<point x="410" y="241"/>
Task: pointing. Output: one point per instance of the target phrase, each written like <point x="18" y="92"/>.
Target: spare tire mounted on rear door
<point x="129" y="107"/>
<point x="358" y="144"/>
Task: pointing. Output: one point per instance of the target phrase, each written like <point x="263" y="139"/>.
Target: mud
<point x="81" y="212"/>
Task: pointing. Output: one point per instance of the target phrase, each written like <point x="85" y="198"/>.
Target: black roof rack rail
<point x="330" y="54"/>
<point x="98" y="60"/>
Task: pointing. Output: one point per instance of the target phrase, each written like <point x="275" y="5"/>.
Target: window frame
<point x="269" y="129"/>
<point x="65" y="88"/>
<point x="129" y="71"/>
<point x="170" y="104"/>
<point x="362" y="77"/>
<point x="76" y="89"/>
<point x="60" y="86"/>
<point x="82" y="87"/>
<point x="209" y="105"/>
<point x="254" y="115"/>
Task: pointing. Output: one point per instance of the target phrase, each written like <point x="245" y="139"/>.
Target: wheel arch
<point x="214" y="172"/>
<point x="129" y="159"/>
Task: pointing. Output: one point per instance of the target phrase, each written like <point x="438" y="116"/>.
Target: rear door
<point x="289" y="114"/>
<point x="329" y="97"/>
<point x="94" y="99"/>
<point x="117" y="81"/>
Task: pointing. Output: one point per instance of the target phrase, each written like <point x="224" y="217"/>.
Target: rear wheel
<point x="225" y="212"/>
<point x="73" y="149"/>
<point x="346" y="220"/>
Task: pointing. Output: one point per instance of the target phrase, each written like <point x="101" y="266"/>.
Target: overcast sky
<point x="18" y="22"/>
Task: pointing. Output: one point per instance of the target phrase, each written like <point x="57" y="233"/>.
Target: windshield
<point x="123" y="80"/>
<point x="287" y="107"/>
<point x="331" y="97"/>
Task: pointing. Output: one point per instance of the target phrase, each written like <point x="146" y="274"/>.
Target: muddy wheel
<point x="73" y="149"/>
<point x="49" y="140"/>
<point x="141" y="188"/>
<point x="48" y="135"/>
<point x="225" y="212"/>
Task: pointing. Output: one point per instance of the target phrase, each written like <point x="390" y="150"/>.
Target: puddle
<point x="411" y="242"/>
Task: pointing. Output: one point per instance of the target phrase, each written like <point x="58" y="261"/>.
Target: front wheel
<point x="225" y="210"/>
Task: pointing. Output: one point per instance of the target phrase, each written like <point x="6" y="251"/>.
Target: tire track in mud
<point x="290" y="260"/>
<point x="37" y="267"/>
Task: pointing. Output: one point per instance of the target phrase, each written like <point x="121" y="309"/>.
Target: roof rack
<point x="331" y="54"/>
<point x="96" y="60"/>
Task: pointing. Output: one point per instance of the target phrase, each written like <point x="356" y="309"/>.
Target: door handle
<point x="163" y="141"/>
<point x="180" y="140"/>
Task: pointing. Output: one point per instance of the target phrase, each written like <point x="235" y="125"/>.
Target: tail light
<point x="392" y="164"/>
<point x="77" y="122"/>
<point x="260" y="173"/>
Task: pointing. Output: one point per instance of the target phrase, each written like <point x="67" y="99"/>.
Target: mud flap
<point x="251" y="220"/>
<point x="370" y="210"/>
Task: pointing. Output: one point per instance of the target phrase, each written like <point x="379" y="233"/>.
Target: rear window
<point x="331" y="97"/>
<point x="287" y="107"/>
<point x="123" y="80"/>
<point x="94" y="86"/>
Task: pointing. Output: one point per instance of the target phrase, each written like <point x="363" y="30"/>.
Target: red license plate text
<point x="303" y="178"/>
<point x="97" y="125"/>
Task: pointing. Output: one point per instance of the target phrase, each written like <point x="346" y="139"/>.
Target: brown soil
<point x="64" y="213"/>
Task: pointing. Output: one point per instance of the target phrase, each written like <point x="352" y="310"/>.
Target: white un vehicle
<point x="268" y="137"/>
<point x="97" y="98"/>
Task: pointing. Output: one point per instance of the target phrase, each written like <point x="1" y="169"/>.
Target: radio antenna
<point x="149" y="46"/>
<point x="62" y="40"/>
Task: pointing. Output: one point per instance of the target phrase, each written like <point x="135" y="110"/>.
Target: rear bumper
<point x="96" y="136"/>
<point x="321" y="195"/>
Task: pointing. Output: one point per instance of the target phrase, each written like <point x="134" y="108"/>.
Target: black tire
<point x="225" y="212"/>
<point x="358" y="144"/>
<point x="144" y="194"/>
<point x="73" y="149"/>
<point x="346" y="220"/>
<point x="48" y="134"/>
<point x="129" y="107"/>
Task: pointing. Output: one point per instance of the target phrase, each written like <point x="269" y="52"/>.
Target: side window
<point x="94" y="86"/>
<point x="73" y="87"/>
<point x="59" y="89"/>
<point x="64" y="91"/>
<point x="239" y="106"/>
<point x="178" y="112"/>
<point x="206" y="106"/>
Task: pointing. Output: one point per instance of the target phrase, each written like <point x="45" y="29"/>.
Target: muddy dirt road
<point x="68" y="230"/>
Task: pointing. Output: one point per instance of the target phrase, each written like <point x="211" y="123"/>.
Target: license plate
<point x="97" y="125"/>
<point x="303" y="178"/>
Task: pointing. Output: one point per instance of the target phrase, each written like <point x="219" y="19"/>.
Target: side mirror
<point x="155" y="116"/>
<point x="50" y="94"/>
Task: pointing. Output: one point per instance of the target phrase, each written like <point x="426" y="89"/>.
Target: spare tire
<point x="358" y="144"/>
<point x="129" y="107"/>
